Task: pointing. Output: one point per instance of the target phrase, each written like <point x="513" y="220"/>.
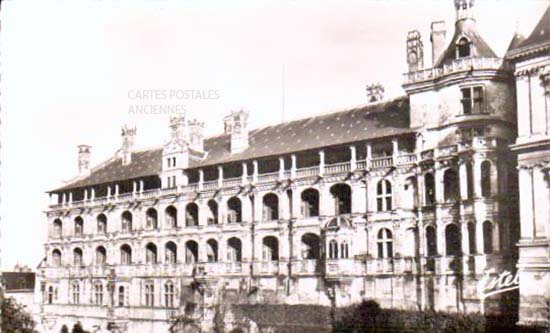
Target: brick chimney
<point x="236" y="126"/>
<point x="196" y="135"/>
<point x="128" y="138"/>
<point x="84" y="152"/>
<point x="437" y="37"/>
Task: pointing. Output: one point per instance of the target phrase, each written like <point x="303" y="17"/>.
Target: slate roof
<point x="18" y="281"/>
<point x="365" y="122"/>
<point x="539" y="39"/>
<point x="515" y="42"/>
<point x="478" y="47"/>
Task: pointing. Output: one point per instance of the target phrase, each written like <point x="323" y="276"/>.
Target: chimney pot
<point x="438" y="37"/>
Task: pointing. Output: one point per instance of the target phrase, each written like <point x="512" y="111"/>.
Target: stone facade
<point x="410" y="202"/>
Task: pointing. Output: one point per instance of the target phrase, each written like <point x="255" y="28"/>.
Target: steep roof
<point x="17" y="281"/>
<point x="478" y="47"/>
<point x="365" y="122"/>
<point x="515" y="42"/>
<point x="539" y="39"/>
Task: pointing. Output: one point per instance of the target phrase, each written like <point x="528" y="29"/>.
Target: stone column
<point x="326" y="202"/>
<point x="463" y="179"/>
<point x="541" y="200"/>
<point x="439" y="186"/>
<point x="246" y="209"/>
<point x="321" y="162"/>
<point x="465" y="240"/>
<point x="244" y="180"/>
<point x="526" y="202"/>
<point x="281" y="168"/>
<point x="476" y="165"/>
<point x="353" y="159"/>
<point x="284" y="205"/>
<point x="480" y="244"/>
<point x="296" y="202"/>
<point x="220" y="176"/>
<point x="255" y="172"/>
<point x="201" y="179"/>
<point x="369" y="155"/>
<point x="293" y="166"/>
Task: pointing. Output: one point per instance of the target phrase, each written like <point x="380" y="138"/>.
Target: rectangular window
<point x="473" y="100"/>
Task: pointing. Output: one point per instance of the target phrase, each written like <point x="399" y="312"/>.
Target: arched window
<point x="169" y="294"/>
<point x="149" y="294"/>
<point x="121" y="296"/>
<point x="212" y="212"/>
<point x="100" y="256"/>
<point x="384" y="195"/>
<point x="431" y="241"/>
<point x="385" y="243"/>
<point x="429" y="185"/>
<point x="126" y="221"/>
<point x="234" y="249"/>
<point x="451" y="185"/>
<point x="344" y="250"/>
<point x="310" y="203"/>
<point x="151" y="217"/>
<point x="333" y="249"/>
<point x="98" y="293"/>
<point x="171" y="217"/>
<point x="487" y="237"/>
<point x="310" y="246"/>
<point x="472" y="237"/>
<point x="77" y="257"/>
<point x="78" y="226"/>
<point x="125" y="255"/>
<point x="470" y="179"/>
<point x="270" y="207"/>
<point x="75" y="292"/>
<point x="234" y="210"/>
<point x="57" y="228"/>
<point x="171" y="253"/>
<point x="463" y="48"/>
<point x="486" y="179"/>
<point x="56" y="258"/>
<point x="50" y="295"/>
<point x="151" y="254"/>
<point x="212" y="250"/>
<point x="270" y="249"/>
<point x="452" y="240"/>
<point x="101" y="224"/>
<point x="342" y="198"/>
<point x="191" y="252"/>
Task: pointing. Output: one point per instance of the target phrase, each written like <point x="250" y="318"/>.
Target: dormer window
<point x="463" y="48"/>
<point x="473" y="100"/>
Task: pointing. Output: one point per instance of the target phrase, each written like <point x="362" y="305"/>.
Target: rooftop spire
<point x="464" y="9"/>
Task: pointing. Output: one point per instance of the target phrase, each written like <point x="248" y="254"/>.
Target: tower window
<point x="472" y="100"/>
<point x="463" y="48"/>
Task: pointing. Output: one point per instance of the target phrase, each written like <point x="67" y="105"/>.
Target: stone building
<point x="409" y="201"/>
<point x="531" y="58"/>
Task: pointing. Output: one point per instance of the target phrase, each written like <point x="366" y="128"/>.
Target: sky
<point x="74" y="72"/>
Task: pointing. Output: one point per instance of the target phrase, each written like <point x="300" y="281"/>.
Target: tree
<point x="64" y="329"/>
<point x="77" y="328"/>
<point x="15" y="319"/>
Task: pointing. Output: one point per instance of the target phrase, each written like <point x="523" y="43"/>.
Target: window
<point x="75" y="292"/>
<point x="310" y="203"/>
<point x="171" y="217"/>
<point x="486" y="179"/>
<point x="98" y="294"/>
<point x="451" y="185"/>
<point x="78" y="226"/>
<point x="149" y="294"/>
<point x="101" y="224"/>
<point x="344" y="250"/>
<point x="121" y="296"/>
<point x="125" y="255"/>
<point x="333" y="249"/>
<point x="429" y="184"/>
<point x="100" y="256"/>
<point x="151" y="254"/>
<point x="151" y="217"/>
<point x="472" y="237"/>
<point x="463" y="48"/>
<point x="310" y="246"/>
<point x="171" y="252"/>
<point x="212" y="250"/>
<point x="342" y="198"/>
<point x="169" y="294"/>
<point x="234" y="250"/>
<point x="57" y="228"/>
<point x="385" y="243"/>
<point x="77" y="257"/>
<point x="56" y="258"/>
<point x="270" y="251"/>
<point x="452" y="240"/>
<point x="487" y="237"/>
<point x="234" y="210"/>
<point x="383" y="195"/>
<point x="470" y="180"/>
<point x="212" y="212"/>
<point x="472" y="100"/>
<point x="126" y="221"/>
<point x="270" y="207"/>
<point x="191" y="252"/>
<point x="191" y="214"/>
<point x="50" y="295"/>
<point x="431" y="241"/>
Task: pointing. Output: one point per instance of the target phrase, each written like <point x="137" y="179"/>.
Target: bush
<point x="64" y="329"/>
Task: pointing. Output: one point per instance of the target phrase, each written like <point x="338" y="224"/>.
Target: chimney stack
<point x="415" y="51"/>
<point x="437" y="37"/>
<point x="128" y="138"/>
<point x="84" y="152"/>
<point x="196" y="135"/>
<point x="178" y="129"/>
<point x="236" y="126"/>
<point x="375" y="92"/>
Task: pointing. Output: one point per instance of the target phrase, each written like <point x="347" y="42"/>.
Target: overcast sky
<point x="73" y="71"/>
